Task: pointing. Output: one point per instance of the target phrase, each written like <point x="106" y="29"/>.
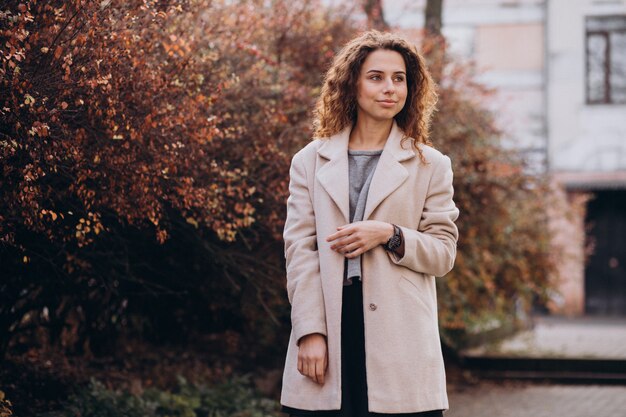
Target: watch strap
<point x="395" y="241"/>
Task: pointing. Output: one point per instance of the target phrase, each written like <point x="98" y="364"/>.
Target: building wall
<point x="583" y="138"/>
<point x="566" y="214"/>
<point x="505" y="41"/>
<point x="533" y="52"/>
<point x="586" y="142"/>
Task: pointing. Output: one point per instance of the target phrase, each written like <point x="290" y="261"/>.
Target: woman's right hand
<point x="313" y="357"/>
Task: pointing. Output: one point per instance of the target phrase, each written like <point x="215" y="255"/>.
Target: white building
<point x="560" y="70"/>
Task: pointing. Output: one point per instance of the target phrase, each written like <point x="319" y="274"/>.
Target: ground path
<point x="510" y="399"/>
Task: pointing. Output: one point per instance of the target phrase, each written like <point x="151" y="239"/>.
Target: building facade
<point x="586" y="119"/>
<point x="559" y="67"/>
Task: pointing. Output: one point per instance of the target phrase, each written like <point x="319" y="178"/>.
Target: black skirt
<point x="353" y="381"/>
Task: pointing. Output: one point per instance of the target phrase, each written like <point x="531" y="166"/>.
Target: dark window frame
<point x="607" y="99"/>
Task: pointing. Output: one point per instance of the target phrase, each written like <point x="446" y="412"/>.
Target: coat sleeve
<point x="304" y="284"/>
<point x="432" y="248"/>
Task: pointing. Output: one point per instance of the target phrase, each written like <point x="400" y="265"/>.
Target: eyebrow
<point x="395" y="72"/>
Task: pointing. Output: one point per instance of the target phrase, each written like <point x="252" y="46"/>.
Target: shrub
<point x="504" y="259"/>
<point x="144" y="149"/>
<point x="233" y="398"/>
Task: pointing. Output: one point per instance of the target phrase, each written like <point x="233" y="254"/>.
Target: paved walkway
<point x="554" y="337"/>
<point x="524" y="400"/>
<point x="550" y="338"/>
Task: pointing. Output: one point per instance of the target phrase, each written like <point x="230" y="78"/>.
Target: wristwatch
<point x="395" y="240"/>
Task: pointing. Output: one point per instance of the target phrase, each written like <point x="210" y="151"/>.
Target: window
<point x="606" y="59"/>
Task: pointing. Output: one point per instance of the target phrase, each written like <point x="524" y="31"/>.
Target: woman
<point x="370" y="201"/>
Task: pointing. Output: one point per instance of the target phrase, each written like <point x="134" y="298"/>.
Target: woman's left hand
<point x="356" y="238"/>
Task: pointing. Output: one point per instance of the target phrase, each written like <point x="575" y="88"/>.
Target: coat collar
<point x="389" y="174"/>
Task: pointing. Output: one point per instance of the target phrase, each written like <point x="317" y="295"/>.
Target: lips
<point x="387" y="104"/>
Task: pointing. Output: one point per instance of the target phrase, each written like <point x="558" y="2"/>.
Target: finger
<point x="342" y="231"/>
<point x="312" y="372"/>
<point x="335" y="235"/>
<point x="305" y="368"/>
<point x="351" y="247"/>
<point x="300" y="365"/>
<point x="322" y="370"/>
<point x="354" y="251"/>
<point x="358" y="251"/>
<point x="354" y="254"/>
<point x="343" y="242"/>
<point x="318" y="376"/>
<point x="326" y="362"/>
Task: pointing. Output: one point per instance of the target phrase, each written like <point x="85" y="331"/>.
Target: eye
<point x="399" y="78"/>
<point x="375" y="77"/>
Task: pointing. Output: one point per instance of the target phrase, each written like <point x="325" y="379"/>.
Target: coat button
<point x="372" y="306"/>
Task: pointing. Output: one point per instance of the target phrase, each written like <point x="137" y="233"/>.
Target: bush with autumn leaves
<point x="506" y="258"/>
<point x="145" y="147"/>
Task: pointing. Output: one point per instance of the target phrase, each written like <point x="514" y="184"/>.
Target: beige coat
<point x="405" y="371"/>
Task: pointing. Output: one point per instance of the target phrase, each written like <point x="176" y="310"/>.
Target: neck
<point x="370" y="134"/>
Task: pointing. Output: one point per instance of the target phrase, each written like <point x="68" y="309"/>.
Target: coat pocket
<point x="416" y="287"/>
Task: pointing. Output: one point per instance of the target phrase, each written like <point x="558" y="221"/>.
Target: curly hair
<point x="336" y="107"/>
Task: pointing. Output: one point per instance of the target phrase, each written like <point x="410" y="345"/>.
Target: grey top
<point x="361" y="165"/>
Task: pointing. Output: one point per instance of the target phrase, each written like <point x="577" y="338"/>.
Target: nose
<point x="389" y="86"/>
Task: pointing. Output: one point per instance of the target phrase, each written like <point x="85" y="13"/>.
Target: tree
<point x="432" y="14"/>
<point x="375" y="15"/>
<point x="434" y="38"/>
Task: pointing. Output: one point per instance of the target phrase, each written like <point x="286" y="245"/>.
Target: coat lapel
<point x="389" y="174"/>
<point x="333" y="175"/>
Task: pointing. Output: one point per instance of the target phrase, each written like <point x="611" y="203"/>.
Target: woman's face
<point x="382" y="87"/>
